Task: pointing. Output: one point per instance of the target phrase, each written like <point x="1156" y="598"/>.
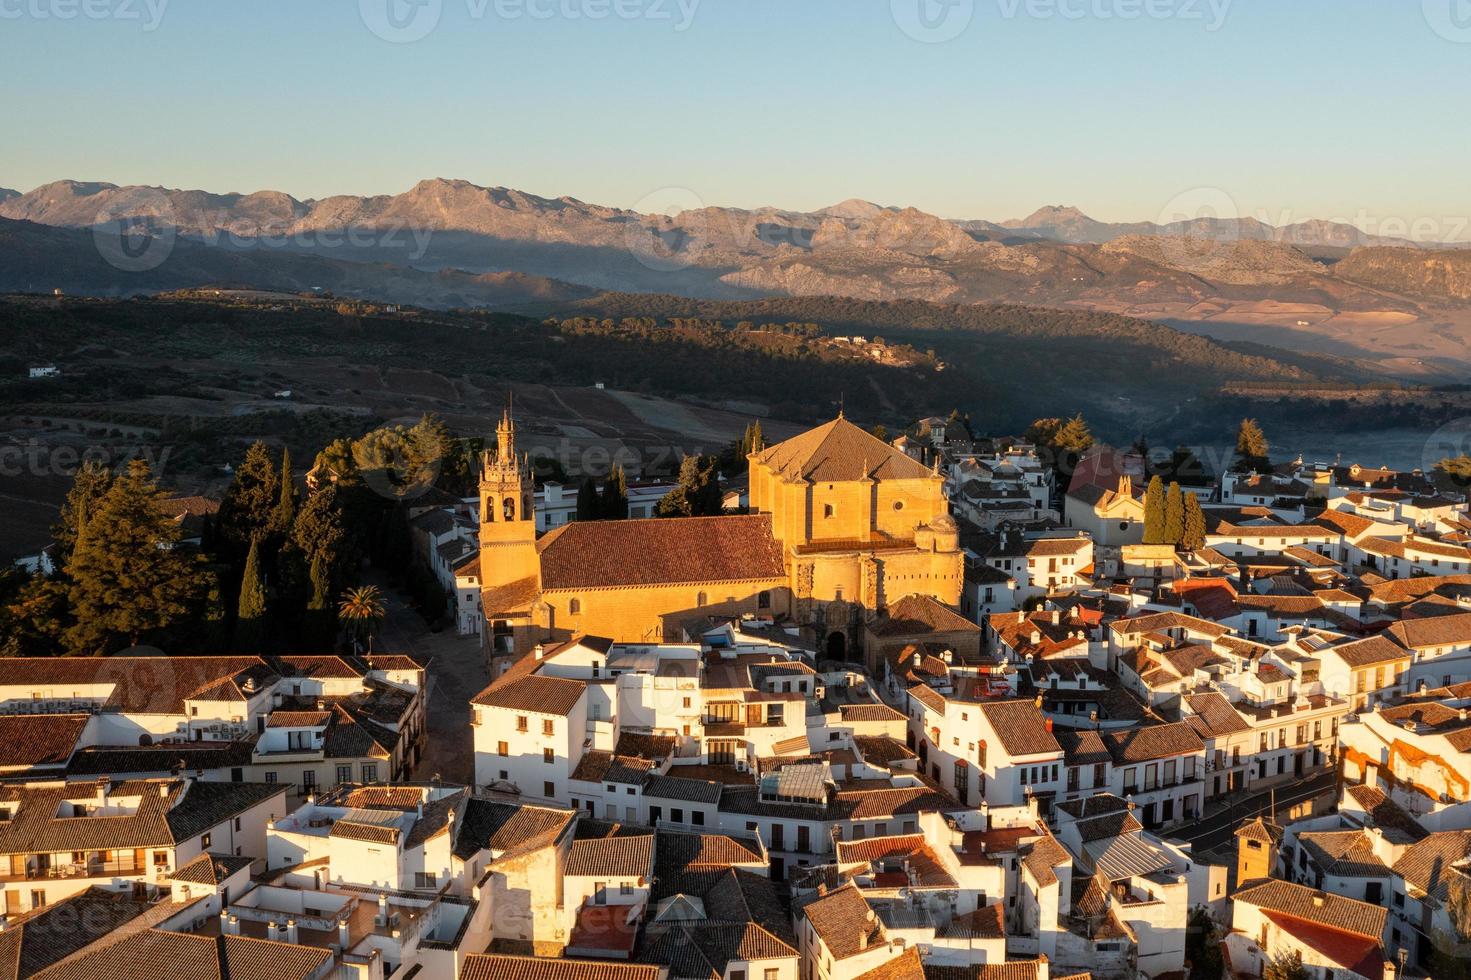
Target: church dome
<point x="944" y="524"/>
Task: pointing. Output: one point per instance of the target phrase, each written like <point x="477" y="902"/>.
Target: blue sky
<point x="1284" y="108"/>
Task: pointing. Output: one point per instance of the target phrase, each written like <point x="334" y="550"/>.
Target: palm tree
<point x="362" y="611"/>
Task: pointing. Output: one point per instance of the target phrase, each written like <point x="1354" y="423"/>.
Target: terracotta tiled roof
<point x="880" y="750"/>
<point x="507" y="829"/>
<point x="1309" y="904"/>
<point x="482" y="966"/>
<point x="868" y="712"/>
<point x="987" y="922"/>
<point x="1020" y="726"/>
<point x="537" y="693"/>
<point x="142" y="685"/>
<point x="1261" y="831"/>
<point x="1215" y="711"/>
<point x="612" y="856"/>
<point x="39" y="740"/>
<point x="840" y="452"/>
<point x="1347" y="853"/>
<point x="186" y="956"/>
<point x="210" y="869"/>
<point x="843" y="920"/>
<point x="1373" y="650"/>
<point x="1016" y="970"/>
<point x="1386" y="813"/>
<point x="1152" y="742"/>
<point x="920" y="614"/>
<point x="606" y="554"/>
<point x="32" y="942"/>
<point x="1428" y="865"/>
<point x="906" y="966"/>
<point x="681" y="788"/>
<point x="597" y="766"/>
<point x="1440" y="631"/>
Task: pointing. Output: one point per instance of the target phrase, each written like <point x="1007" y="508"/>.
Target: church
<point x="842" y="525"/>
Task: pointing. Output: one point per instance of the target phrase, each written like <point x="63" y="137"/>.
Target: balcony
<point x="77" y="870"/>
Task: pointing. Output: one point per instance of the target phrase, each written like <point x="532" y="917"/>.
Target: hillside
<point x="1445" y="274"/>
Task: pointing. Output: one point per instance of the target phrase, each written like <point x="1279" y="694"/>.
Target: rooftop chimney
<point x="291" y="930"/>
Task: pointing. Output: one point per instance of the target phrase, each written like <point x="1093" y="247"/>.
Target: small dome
<point x="944" y="523"/>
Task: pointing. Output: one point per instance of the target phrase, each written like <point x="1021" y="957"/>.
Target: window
<point x="687" y="702"/>
<point x="575" y="607"/>
<point x="697" y="817"/>
<point x="502" y="748"/>
<point x="763" y="600"/>
<point x="548" y="756"/>
<point x="344" y="773"/>
<point x="548" y="727"/>
<point x="737" y="975"/>
<point x="676" y="814"/>
<point x="205" y="840"/>
<point x="160" y="859"/>
<point x="425" y="879"/>
<point x="827" y="510"/>
<point x="370" y="772"/>
<point x="549" y="790"/>
<point x="522" y="724"/>
<point x="701" y="599"/>
<point x="270" y="777"/>
<point x="600" y="893"/>
<point x="772" y="973"/>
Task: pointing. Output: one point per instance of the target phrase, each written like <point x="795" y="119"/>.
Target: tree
<point x="317" y="530"/>
<point x="250" y="502"/>
<point x="1074" y="436"/>
<point x="285" y="510"/>
<point x="587" y="500"/>
<point x="1286" y="966"/>
<point x="89" y="485"/>
<point x="1195" y="527"/>
<point x="321" y="618"/>
<point x="752" y="441"/>
<point x="614" y="503"/>
<point x="1252" y="447"/>
<point x="697" y="493"/>
<point x="127" y="578"/>
<point x="1174" y="531"/>
<point x="362" y="611"/>
<point x="1203" y="946"/>
<point x="1154" y="512"/>
<point x="250" y="618"/>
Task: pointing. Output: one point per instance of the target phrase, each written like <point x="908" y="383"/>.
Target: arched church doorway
<point x="837" y="646"/>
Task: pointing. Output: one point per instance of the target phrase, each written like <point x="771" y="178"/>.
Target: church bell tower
<point x="507" y="512"/>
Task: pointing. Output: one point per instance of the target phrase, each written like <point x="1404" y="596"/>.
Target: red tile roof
<point x="672" y="551"/>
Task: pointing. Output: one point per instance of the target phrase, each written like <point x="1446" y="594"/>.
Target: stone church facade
<point x="842" y="526"/>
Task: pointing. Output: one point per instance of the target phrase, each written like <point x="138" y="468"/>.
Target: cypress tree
<point x="1195" y="527"/>
<point x="250" y="619"/>
<point x="1174" y="530"/>
<point x="588" y="508"/>
<point x="1154" y="512"/>
<point x="250" y="502"/>
<point x="1252" y="447"/>
<point x="614" y="504"/>
<point x="285" y="510"/>
<point x="89" y="485"/>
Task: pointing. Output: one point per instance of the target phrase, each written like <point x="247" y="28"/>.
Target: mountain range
<point x="436" y="244"/>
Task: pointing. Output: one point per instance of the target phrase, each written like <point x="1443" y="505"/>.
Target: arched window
<point x="575" y="607"/>
<point x="509" y="508"/>
<point x="701" y="599"/>
<point x="827" y="510"/>
<point x="763" y="601"/>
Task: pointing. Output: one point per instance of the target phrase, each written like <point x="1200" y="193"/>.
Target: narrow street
<point x="456" y="674"/>
<point x="1222" y="817"/>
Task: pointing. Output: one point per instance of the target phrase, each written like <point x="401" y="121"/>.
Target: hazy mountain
<point x="1055" y="256"/>
<point x="38" y="258"/>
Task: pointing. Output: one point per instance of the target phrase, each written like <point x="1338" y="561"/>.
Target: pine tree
<point x="1154" y="512"/>
<point x="1074" y="436"/>
<point x="127" y="578"/>
<point x="89" y="485"/>
<point x="1252" y="447"/>
<point x="1195" y="526"/>
<point x="614" y="503"/>
<point x="1174" y="530"/>
<point x="587" y="500"/>
<point x="285" y="510"/>
<point x="250" y="618"/>
<point x="249" y="503"/>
